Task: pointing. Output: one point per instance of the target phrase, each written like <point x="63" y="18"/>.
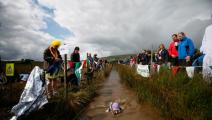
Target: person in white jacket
<point x="207" y="50"/>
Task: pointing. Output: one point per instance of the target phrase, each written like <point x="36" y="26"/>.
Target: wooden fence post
<point x="65" y="76"/>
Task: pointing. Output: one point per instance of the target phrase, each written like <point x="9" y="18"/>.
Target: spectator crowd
<point x="54" y="65"/>
<point x="180" y="52"/>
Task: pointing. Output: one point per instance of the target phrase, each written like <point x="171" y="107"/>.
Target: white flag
<point x="143" y="70"/>
<point x="158" y="68"/>
<point x="190" y="71"/>
<point x="64" y="49"/>
<point x="207" y="71"/>
<point x="206" y="49"/>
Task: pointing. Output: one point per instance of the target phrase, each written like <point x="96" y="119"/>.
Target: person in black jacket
<point x="75" y="58"/>
<point x="96" y="61"/>
<point x="53" y="58"/>
<point x="163" y="54"/>
<point x="90" y="68"/>
<point x="142" y="58"/>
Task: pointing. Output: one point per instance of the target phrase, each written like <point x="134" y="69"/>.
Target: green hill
<point x="118" y="57"/>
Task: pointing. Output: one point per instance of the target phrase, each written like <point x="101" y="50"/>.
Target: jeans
<point x="54" y="68"/>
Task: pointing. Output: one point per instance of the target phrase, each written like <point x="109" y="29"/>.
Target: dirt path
<point x="113" y="90"/>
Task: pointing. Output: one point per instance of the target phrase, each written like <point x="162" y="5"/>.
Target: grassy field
<point x="177" y="97"/>
<point x="58" y="108"/>
<point x="22" y="66"/>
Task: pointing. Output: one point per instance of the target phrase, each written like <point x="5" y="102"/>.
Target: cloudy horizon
<point x="106" y="27"/>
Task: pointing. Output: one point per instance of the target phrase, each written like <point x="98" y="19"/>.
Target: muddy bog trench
<point x="114" y="90"/>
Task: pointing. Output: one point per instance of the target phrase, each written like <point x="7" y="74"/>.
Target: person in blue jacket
<point x="185" y="49"/>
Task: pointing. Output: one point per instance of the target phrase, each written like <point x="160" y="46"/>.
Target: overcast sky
<point x="105" y="27"/>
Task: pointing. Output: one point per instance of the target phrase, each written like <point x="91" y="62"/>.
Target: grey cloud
<point x="196" y="29"/>
<point x="111" y="27"/>
<point x="19" y="31"/>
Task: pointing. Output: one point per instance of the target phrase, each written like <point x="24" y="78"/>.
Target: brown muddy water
<point x="114" y="90"/>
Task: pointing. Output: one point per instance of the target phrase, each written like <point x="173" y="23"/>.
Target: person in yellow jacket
<point x="54" y="60"/>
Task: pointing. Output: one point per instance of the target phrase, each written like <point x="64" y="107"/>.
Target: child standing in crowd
<point x="173" y="47"/>
<point x="53" y="58"/>
<point x="185" y="49"/>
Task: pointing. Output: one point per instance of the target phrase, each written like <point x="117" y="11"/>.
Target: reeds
<point x="178" y="97"/>
<point x="58" y="108"/>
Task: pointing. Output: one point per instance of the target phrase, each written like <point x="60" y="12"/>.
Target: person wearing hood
<point x="185" y="49"/>
<point x="206" y="49"/>
<point x="53" y="58"/>
<point x="173" y="47"/>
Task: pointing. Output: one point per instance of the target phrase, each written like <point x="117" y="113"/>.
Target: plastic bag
<point x="33" y="97"/>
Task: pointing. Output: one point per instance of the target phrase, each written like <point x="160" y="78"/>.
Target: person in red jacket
<point x="173" y="53"/>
